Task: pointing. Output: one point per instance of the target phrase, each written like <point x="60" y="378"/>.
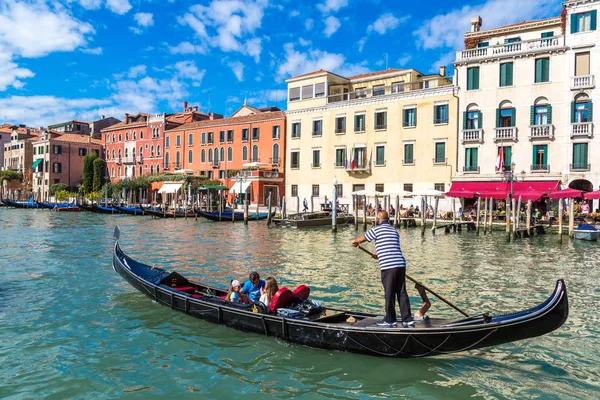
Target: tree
<point x="88" y="172"/>
<point x="57" y="187"/>
<point x="99" y="171"/>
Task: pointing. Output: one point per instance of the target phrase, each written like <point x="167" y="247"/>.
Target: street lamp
<point x="241" y="178"/>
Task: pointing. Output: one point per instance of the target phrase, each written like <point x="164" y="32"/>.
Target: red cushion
<point x="223" y="297"/>
<point x="302" y="292"/>
<point x="197" y="296"/>
<point x="282" y="298"/>
<point x="189" y="289"/>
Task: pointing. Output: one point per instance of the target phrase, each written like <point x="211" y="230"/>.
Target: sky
<point x="80" y="59"/>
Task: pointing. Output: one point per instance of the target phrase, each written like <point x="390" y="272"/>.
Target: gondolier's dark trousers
<point x="394" y="287"/>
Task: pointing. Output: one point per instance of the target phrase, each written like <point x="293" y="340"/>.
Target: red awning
<point x="528" y="190"/>
<point x="566" y="194"/>
<point x="592" y="195"/>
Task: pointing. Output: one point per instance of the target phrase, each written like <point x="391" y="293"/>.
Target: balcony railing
<point x="582" y="129"/>
<point x="508" y="133"/>
<point x="388" y="90"/>
<point x="582" y="82"/>
<point x="128" y="160"/>
<point x="579" y="167"/>
<point x="117" y="160"/>
<point x="527" y="46"/>
<point x="540" y="167"/>
<point x="472" y="135"/>
<point x="275" y="161"/>
<point x="215" y="164"/>
<point x="139" y="159"/>
<point x="471" y="169"/>
<point x="541" y="132"/>
<point x="357" y="168"/>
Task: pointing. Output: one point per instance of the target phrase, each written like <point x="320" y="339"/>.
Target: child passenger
<point x="267" y="293"/>
<point x="234" y="291"/>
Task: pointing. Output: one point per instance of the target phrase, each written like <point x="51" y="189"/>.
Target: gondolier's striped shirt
<point x="387" y="245"/>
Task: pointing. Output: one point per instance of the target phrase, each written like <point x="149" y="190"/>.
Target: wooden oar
<point x="423" y="286"/>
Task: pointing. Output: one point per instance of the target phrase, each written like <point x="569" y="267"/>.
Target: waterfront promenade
<point x="72" y="328"/>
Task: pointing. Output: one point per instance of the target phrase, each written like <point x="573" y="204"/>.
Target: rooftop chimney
<point x="443" y="70"/>
<point x="195" y="108"/>
<point x="126" y="118"/>
<point x="476" y="23"/>
<point x="211" y="116"/>
<point x="102" y="116"/>
<point x="185" y="103"/>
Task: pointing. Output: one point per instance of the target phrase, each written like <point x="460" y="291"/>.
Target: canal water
<point x="70" y="327"/>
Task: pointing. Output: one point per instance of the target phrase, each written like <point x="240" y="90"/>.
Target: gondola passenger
<point x="267" y="293"/>
<point x="252" y="286"/>
<point x="234" y="291"/>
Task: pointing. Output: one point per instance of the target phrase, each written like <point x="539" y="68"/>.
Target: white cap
<point x="235" y="283"/>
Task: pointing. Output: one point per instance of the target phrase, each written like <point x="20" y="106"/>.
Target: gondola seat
<point x="302" y="292"/>
<point x="187" y="289"/>
<point x="282" y="299"/>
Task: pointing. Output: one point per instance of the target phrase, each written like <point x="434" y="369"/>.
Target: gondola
<point x="335" y="329"/>
<point x="51" y="206"/>
<point x="68" y="208"/>
<point x="237" y="216"/>
<point x="313" y="220"/>
<point x="22" y="204"/>
<point x="104" y="209"/>
<point x="169" y="213"/>
<point x="131" y="210"/>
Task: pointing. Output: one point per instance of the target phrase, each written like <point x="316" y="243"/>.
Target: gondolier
<point x="393" y="269"/>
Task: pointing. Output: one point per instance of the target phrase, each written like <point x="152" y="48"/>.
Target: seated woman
<point x="234" y="294"/>
<point x="370" y="210"/>
<point x="267" y="293"/>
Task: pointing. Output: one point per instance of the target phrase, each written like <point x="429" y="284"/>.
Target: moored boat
<point x="336" y="329"/>
<point x="586" y="232"/>
<point x="313" y="220"/>
<point x="104" y="209"/>
<point x="164" y="213"/>
<point x="226" y="216"/>
<point x="22" y="204"/>
<point x="68" y="208"/>
<point x="131" y="210"/>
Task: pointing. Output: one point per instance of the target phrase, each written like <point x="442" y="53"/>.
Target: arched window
<point x="126" y="136"/>
<point x="255" y="153"/>
<point x="472" y="117"/>
<point x="113" y="154"/>
<point x="222" y="157"/>
<point x="229" y="154"/>
<point x="541" y="112"/>
<point x="133" y="135"/>
<point x="152" y="151"/>
<point x="133" y="152"/>
<point x="177" y="160"/>
<point x="210" y="154"/>
<point x="132" y="171"/>
<point x="141" y="134"/>
<point x="125" y="152"/>
<point x="166" y="160"/>
<point x="119" y="153"/>
<point x="107" y="138"/>
<point x="141" y="151"/>
<point x="112" y="172"/>
<point x="190" y="157"/>
<point x="152" y="169"/>
<point x="141" y="171"/>
<point x="581" y="109"/>
<point x="113" y="138"/>
<point x="275" y="159"/>
<point x="158" y="150"/>
<point x="216" y="155"/>
<point x="245" y="153"/>
<point x="203" y="156"/>
<point x="120" y="137"/>
<point x="505" y="115"/>
<point x="158" y="169"/>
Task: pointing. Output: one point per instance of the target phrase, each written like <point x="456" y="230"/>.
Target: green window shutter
<point x="403" y="117"/>
<point x="546" y="69"/>
<point x="474" y="155"/>
<point x="513" y="120"/>
<point x="538" y="70"/>
<point x="476" y="78"/>
<point x="547" y="35"/>
<point x="573" y="23"/>
<point x="594" y="18"/>
<point x="464" y="120"/>
<point x="480" y="119"/>
<point x="532" y="116"/>
<point x="549" y="114"/>
<point x="507" y="155"/>
<point x="572" y="112"/>
<point x="497" y="118"/>
<point x="385" y="118"/>
<point x="469" y="78"/>
<point x="503" y="74"/>
<point x="545" y="148"/>
<point x="533" y="159"/>
<point x="415" y="117"/>
<point x="509" y="74"/>
<point x="590" y="111"/>
<point x="577" y="154"/>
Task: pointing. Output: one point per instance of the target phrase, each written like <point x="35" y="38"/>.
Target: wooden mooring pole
<point x="478" y="216"/>
<point x="269" y="210"/>
<point x="245" y="212"/>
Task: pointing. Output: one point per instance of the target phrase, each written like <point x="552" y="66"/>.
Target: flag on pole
<point x="370" y="159"/>
<point x="352" y="159"/>
<point x="500" y="158"/>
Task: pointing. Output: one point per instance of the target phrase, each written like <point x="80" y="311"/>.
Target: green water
<point x="70" y="327"/>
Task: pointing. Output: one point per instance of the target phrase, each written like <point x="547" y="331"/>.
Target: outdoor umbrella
<point x="566" y="194"/>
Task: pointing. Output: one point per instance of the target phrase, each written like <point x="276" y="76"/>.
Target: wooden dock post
<point x="507" y="213"/>
<point x="435" y="212"/>
<point x="334" y="206"/>
<point x="312" y="204"/>
<point x="355" y="199"/>
<point x="560" y="220"/>
<point x="485" y="219"/>
<point x="571" y="217"/>
<point x="528" y="219"/>
<point x="245" y="212"/>
<point x="518" y="212"/>
<point x="423" y="205"/>
<point x="297" y="204"/>
<point x="269" y="210"/>
<point x="257" y="210"/>
<point x="220" y="204"/>
<point x="491" y="215"/>
<point x="478" y="216"/>
<point x="365" y="213"/>
<point x="397" y="213"/>
<point x="515" y="214"/>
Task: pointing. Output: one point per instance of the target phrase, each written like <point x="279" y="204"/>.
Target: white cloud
<point x="332" y="5"/>
<point x="297" y="63"/>
<point x="267" y="97"/>
<point x="405" y="59"/>
<point x="144" y="19"/>
<point x="303" y="42"/>
<point x="95" y="50"/>
<point x="11" y="74"/>
<point x="187" y="48"/>
<point x="332" y="24"/>
<point x="228" y="24"/>
<point x="361" y="44"/>
<point x="385" y="22"/>
<point x="294" y="13"/>
<point x="136" y="71"/>
<point x="118" y="6"/>
<point x="238" y="69"/>
<point x="447" y="30"/>
<point x="309" y="23"/>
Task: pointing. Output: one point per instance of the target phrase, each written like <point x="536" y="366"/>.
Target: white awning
<point x="256" y="164"/>
<point x="368" y="193"/>
<point x="235" y="187"/>
<point x="184" y="171"/>
<point x="170" y="187"/>
<point x="400" y="193"/>
<point x="429" y="192"/>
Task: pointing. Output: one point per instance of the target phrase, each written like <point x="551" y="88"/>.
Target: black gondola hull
<point x="429" y="338"/>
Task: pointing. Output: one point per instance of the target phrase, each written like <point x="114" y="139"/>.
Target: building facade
<point x="249" y="144"/>
<point x="18" y="157"/>
<point x="526" y="93"/>
<point x="387" y="131"/>
<point x="97" y="126"/>
<point x="58" y="158"/>
<point x="74" y="126"/>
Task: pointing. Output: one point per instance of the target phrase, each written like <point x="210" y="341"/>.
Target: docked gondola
<point x="164" y="213"/>
<point x="225" y="216"/>
<point x="104" y="209"/>
<point x="335" y="329"/>
<point x="22" y="204"/>
<point x="131" y="210"/>
<point x="313" y="220"/>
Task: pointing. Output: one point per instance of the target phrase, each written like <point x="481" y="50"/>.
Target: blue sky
<point x="68" y="59"/>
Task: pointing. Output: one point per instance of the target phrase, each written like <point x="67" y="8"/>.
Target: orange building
<point x="245" y="151"/>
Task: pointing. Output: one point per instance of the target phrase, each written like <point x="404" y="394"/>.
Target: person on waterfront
<point x="393" y="269"/>
<point x="305" y="205"/>
<point x="370" y="210"/>
<point x="253" y="286"/>
<point x="459" y="214"/>
<point x="267" y="293"/>
<point x="392" y="211"/>
<point x="233" y="294"/>
<point x="585" y="208"/>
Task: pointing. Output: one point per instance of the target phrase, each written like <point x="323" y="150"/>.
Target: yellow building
<point x="387" y="131"/>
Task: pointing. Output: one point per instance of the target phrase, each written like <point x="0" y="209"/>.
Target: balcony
<point x="128" y="160"/>
<point x="511" y="49"/>
<point x="215" y="164"/>
<point x="508" y="133"/>
<point x="358" y="168"/>
<point x="275" y="161"/>
<point x="167" y="167"/>
<point x="541" y="132"/>
<point x="471" y="169"/>
<point x="582" y="82"/>
<point x="388" y="90"/>
<point x="579" y="167"/>
<point x="581" y="129"/>
<point x="118" y="160"/>
<point x="139" y="159"/>
<point x="472" y="136"/>
<point x="259" y="174"/>
<point x="540" y="167"/>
